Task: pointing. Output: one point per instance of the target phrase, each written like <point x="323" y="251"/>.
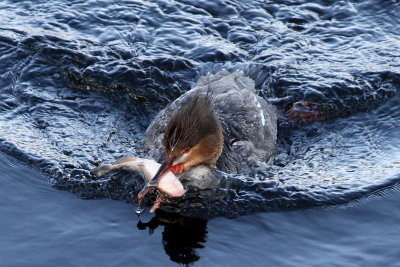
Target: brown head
<point x="192" y="137"/>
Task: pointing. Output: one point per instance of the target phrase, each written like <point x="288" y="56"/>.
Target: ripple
<point x="81" y="81"/>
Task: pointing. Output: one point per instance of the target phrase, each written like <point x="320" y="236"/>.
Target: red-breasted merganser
<point x="221" y="122"/>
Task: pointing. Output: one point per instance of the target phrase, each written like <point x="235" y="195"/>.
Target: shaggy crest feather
<point x="194" y="121"/>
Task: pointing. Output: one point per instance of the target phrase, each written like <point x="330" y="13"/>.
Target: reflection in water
<point x="181" y="237"/>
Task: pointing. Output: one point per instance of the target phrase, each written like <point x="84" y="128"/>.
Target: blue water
<point x="80" y="82"/>
<point x="43" y="226"/>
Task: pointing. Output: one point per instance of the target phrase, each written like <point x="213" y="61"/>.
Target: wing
<point x="250" y="130"/>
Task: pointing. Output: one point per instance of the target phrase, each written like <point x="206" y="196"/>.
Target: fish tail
<point x="100" y="171"/>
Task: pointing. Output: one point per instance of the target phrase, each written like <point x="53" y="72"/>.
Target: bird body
<point x="247" y="121"/>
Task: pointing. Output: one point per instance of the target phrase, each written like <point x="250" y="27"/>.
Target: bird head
<point x="192" y="137"/>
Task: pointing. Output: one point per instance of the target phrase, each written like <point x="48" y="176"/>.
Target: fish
<point x="168" y="184"/>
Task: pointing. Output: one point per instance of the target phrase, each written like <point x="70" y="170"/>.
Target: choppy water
<point x="81" y="80"/>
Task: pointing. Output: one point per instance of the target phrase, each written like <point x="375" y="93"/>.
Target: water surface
<point x="43" y="226"/>
<point x="80" y="82"/>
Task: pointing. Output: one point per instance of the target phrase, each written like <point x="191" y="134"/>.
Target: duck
<point x="221" y="123"/>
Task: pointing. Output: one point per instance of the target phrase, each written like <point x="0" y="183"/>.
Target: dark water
<point x="41" y="226"/>
<point x="81" y="80"/>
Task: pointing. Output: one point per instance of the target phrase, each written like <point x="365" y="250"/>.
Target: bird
<point x="220" y="123"/>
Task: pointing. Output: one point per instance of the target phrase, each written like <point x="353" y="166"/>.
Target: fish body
<point x="169" y="184"/>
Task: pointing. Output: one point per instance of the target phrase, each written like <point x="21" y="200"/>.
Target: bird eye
<point x="186" y="150"/>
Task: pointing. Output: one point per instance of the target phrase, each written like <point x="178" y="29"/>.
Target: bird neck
<point x="210" y="148"/>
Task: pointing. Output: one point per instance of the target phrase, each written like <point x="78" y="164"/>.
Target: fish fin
<point x="144" y="192"/>
<point x="156" y="205"/>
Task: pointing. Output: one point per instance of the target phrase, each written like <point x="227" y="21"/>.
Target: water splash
<point x="78" y="91"/>
<point x="140" y="208"/>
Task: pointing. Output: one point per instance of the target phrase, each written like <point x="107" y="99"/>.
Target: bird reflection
<point x="182" y="236"/>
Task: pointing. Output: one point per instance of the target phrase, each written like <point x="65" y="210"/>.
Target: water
<point x="44" y="226"/>
<point x="80" y="81"/>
